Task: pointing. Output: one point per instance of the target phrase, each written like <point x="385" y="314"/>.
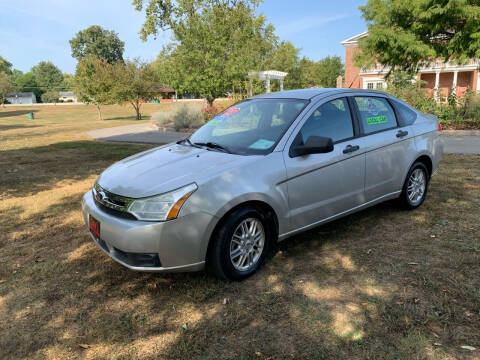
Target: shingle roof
<point x="21" y="94"/>
<point x="66" y="93"/>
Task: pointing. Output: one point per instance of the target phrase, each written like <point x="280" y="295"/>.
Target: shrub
<point x="209" y="112"/>
<point x="181" y="116"/>
<point x="50" y="97"/>
<point x="187" y="118"/>
<point x="415" y="95"/>
<point x="163" y="118"/>
<point x="453" y="112"/>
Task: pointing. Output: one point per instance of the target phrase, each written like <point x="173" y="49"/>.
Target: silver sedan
<point x="259" y="172"/>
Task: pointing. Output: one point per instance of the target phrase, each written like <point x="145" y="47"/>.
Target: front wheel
<point x="415" y="187"/>
<point x="240" y="245"/>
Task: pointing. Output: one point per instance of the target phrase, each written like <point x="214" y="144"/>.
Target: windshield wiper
<point x="213" y="145"/>
<point x="187" y="140"/>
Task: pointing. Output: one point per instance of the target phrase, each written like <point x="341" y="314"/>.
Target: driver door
<point x="321" y="186"/>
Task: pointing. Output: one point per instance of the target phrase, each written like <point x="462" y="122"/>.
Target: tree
<point x="97" y="42"/>
<point x="94" y="82"/>
<point x="47" y="77"/>
<point x="68" y="81"/>
<point x="6" y="87"/>
<point x="170" y="15"/>
<point x="216" y="43"/>
<point x="403" y="34"/>
<point x="326" y="71"/>
<point x="26" y="82"/>
<point x="286" y="58"/>
<point x="50" y="96"/>
<point x="5" y="66"/>
<point x="135" y="81"/>
<point x="163" y="66"/>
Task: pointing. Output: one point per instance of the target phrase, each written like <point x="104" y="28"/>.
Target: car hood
<point x="164" y="169"/>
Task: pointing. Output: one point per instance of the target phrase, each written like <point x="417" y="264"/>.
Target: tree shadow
<point x="18" y="126"/>
<point x="342" y="290"/>
<point x="83" y="297"/>
<point x="130" y="117"/>
<point x="16" y="112"/>
<point x="40" y="168"/>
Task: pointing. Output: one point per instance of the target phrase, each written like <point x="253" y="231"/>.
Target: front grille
<point x="112" y="204"/>
<point x="117" y="213"/>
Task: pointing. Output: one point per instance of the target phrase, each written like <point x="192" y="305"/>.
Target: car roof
<point x="307" y="94"/>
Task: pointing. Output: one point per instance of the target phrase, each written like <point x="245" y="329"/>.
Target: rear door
<point x="387" y="146"/>
<point x="323" y="185"/>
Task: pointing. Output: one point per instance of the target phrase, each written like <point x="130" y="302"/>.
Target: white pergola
<point x="266" y="76"/>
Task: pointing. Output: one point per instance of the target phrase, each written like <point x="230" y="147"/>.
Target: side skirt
<point x="373" y="202"/>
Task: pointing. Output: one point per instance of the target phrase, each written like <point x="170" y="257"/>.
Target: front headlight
<point x="162" y="207"/>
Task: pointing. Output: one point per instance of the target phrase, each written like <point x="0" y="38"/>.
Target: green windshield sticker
<point x="261" y="144"/>
<point x="214" y="122"/>
<point x="374" y="120"/>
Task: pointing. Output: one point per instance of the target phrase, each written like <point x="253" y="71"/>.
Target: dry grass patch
<point x="383" y="283"/>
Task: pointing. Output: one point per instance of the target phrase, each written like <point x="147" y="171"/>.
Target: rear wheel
<point x="240" y="245"/>
<point x="415" y="187"/>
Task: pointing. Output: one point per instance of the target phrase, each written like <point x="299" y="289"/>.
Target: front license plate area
<point x="94" y="226"/>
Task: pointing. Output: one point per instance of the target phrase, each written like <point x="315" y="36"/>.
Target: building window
<point x="379" y="86"/>
<point x="370" y="86"/>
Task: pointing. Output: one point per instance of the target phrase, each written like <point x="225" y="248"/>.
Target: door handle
<point x="349" y="149"/>
<point x="401" y="133"/>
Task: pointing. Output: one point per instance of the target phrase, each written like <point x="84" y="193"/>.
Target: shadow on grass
<point x="300" y="303"/>
<point x="16" y="112"/>
<point x="18" y="126"/>
<point x="39" y="168"/>
<point x="133" y="117"/>
<point x="343" y="290"/>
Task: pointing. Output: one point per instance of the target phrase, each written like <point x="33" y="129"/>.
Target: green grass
<point x="383" y="283"/>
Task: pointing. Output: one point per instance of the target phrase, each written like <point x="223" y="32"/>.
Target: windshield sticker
<point x="215" y="121"/>
<point x="230" y="111"/>
<point x="261" y="144"/>
<point x="372" y="107"/>
<point x="374" y="120"/>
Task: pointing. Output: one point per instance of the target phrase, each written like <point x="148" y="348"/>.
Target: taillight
<point x="439" y="127"/>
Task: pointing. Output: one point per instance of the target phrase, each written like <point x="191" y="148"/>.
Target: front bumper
<point x="180" y="244"/>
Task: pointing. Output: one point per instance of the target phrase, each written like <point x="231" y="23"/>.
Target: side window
<point x="376" y="114"/>
<point x="331" y="119"/>
<point x="408" y="116"/>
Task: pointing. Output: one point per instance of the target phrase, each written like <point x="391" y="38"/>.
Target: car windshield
<point x="250" y="127"/>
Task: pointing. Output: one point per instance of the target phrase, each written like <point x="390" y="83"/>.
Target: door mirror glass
<point x="314" y="145"/>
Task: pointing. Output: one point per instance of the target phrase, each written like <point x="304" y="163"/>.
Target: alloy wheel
<point x="417" y="184"/>
<point x="247" y="244"/>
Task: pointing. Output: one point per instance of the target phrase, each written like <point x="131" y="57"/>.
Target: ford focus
<point x="261" y="171"/>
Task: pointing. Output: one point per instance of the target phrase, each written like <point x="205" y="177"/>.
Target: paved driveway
<point x="139" y="133"/>
<point x="462" y="144"/>
<point x="147" y="133"/>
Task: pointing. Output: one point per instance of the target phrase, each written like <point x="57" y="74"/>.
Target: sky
<point x="36" y="30"/>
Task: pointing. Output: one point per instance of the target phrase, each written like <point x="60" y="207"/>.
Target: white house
<point x="22" y="98"/>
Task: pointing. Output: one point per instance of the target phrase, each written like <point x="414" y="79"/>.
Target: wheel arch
<point x="261" y="205"/>
<point x="425" y="159"/>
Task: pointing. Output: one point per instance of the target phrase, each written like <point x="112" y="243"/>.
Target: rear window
<point x="407" y="115"/>
<point x="376" y="114"/>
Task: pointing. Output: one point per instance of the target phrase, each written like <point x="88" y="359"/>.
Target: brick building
<point x="440" y="78"/>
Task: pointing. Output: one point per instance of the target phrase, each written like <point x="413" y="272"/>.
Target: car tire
<point x="228" y="249"/>
<point x="415" y="187"/>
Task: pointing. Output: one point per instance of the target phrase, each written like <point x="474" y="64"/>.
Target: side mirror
<point x="314" y="145"/>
